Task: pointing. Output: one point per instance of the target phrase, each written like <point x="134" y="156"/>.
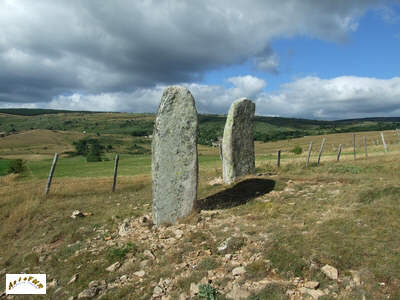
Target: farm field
<point x="282" y="225"/>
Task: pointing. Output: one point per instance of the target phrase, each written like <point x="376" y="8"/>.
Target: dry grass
<point x="344" y="214"/>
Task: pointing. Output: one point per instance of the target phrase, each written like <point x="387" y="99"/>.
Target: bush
<point x="207" y="292"/>
<point x="297" y="150"/>
<point x="16" y="166"/>
<point x="92" y="157"/>
<point x="91" y="148"/>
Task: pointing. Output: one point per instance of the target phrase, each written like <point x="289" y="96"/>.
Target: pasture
<point x="344" y="214"/>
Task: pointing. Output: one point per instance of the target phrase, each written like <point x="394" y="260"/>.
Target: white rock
<point x="73" y="278"/>
<point x="315" y="294"/>
<point x="224" y="245"/>
<point x="88" y="293"/>
<point x="124" y="229"/>
<point x="149" y="254"/>
<point x="330" y="272"/>
<point x="140" y="273"/>
<point x="178" y="233"/>
<point x="194" y="289"/>
<point x="311" y="284"/>
<point x="77" y="213"/>
<point x="238" y="271"/>
<point x="113" y="267"/>
<point x="356" y="277"/>
<point x="157" y="292"/>
<point x="238" y="293"/>
<point x="52" y="284"/>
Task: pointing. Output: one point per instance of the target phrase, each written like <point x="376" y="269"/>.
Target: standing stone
<point x="174" y="156"/>
<point x="238" y="141"/>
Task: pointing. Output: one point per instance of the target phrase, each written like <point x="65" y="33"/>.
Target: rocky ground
<point x="213" y="254"/>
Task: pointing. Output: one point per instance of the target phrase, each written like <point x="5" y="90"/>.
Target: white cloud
<point x="338" y="98"/>
<point x="50" y="48"/>
<point x="309" y="97"/>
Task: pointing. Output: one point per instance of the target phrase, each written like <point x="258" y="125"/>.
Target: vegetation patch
<point x="257" y="270"/>
<point x="272" y="291"/>
<point x="370" y="196"/>
<point x="119" y="253"/>
<point x="208" y="263"/>
<point x="16" y="166"/>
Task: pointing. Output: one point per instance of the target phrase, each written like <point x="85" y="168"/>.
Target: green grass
<point x="3" y="166"/>
<point x="78" y="167"/>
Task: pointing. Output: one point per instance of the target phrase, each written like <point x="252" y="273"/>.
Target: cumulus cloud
<point x="309" y="97"/>
<point x="53" y="48"/>
<point x="338" y="98"/>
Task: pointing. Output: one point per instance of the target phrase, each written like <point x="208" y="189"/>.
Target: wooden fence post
<point x="220" y="150"/>
<point x="52" y="169"/>
<point x="339" y="152"/>
<point x="383" y="142"/>
<point x="278" y="162"/>
<point x="354" y="145"/>
<point x="320" y="151"/>
<point x="365" y="146"/>
<point x="115" y="172"/>
<point x="309" y="154"/>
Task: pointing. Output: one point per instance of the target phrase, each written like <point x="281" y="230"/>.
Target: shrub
<point x="297" y="150"/>
<point x="118" y="254"/>
<point x="16" y="166"/>
<point x="207" y="292"/>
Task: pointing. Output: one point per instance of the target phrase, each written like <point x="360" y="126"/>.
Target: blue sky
<point x="307" y="59"/>
<point x="373" y="50"/>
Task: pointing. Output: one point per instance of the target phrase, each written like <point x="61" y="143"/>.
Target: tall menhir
<point x="238" y="141"/>
<point x="174" y="156"/>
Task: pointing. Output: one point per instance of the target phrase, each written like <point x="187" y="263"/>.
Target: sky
<point x="315" y="59"/>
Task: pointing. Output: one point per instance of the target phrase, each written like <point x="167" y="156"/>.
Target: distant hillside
<point x="36" y="111"/>
<point x="210" y="126"/>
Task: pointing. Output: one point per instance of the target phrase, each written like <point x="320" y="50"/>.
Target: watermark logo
<point x="27" y="284"/>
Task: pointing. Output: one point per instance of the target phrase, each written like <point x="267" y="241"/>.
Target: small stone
<point x="71" y="298"/>
<point x="149" y="254"/>
<point x="93" y="283"/>
<point x="330" y="272"/>
<point x="124" y="229"/>
<point x="178" y="233"/>
<point x="113" y="267"/>
<point x="88" y="293"/>
<point x="194" y="289"/>
<point x="224" y="245"/>
<point x="290" y="293"/>
<point x="356" y="277"/>
<point x="315" y="294"/>
<point x="73" y="278"/>
<point x="228" y="256"/>
<point x="183" y="296"/>
<point x="238" y="293"/>
<point x="311" y="284"/>
<point x="144" y="263"/>
<point x="77" y="213"/>
<point x="52" y="284"/>
<point x="123" y="278"/>
<point x="140" y="273"/>
<point x="157" y="292"/>
<point x="238" y="271"/>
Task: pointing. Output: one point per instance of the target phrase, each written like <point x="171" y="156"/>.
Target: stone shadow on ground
<point x="239" y="194"/>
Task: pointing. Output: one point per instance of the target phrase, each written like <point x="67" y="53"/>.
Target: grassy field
<point x="284" y="224"/>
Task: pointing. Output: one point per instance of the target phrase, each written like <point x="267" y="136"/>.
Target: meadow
<point x="286" y="223"/>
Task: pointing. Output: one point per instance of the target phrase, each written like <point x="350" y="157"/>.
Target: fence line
<point x="52" y="169"/>
<point x="115" y="172"/>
